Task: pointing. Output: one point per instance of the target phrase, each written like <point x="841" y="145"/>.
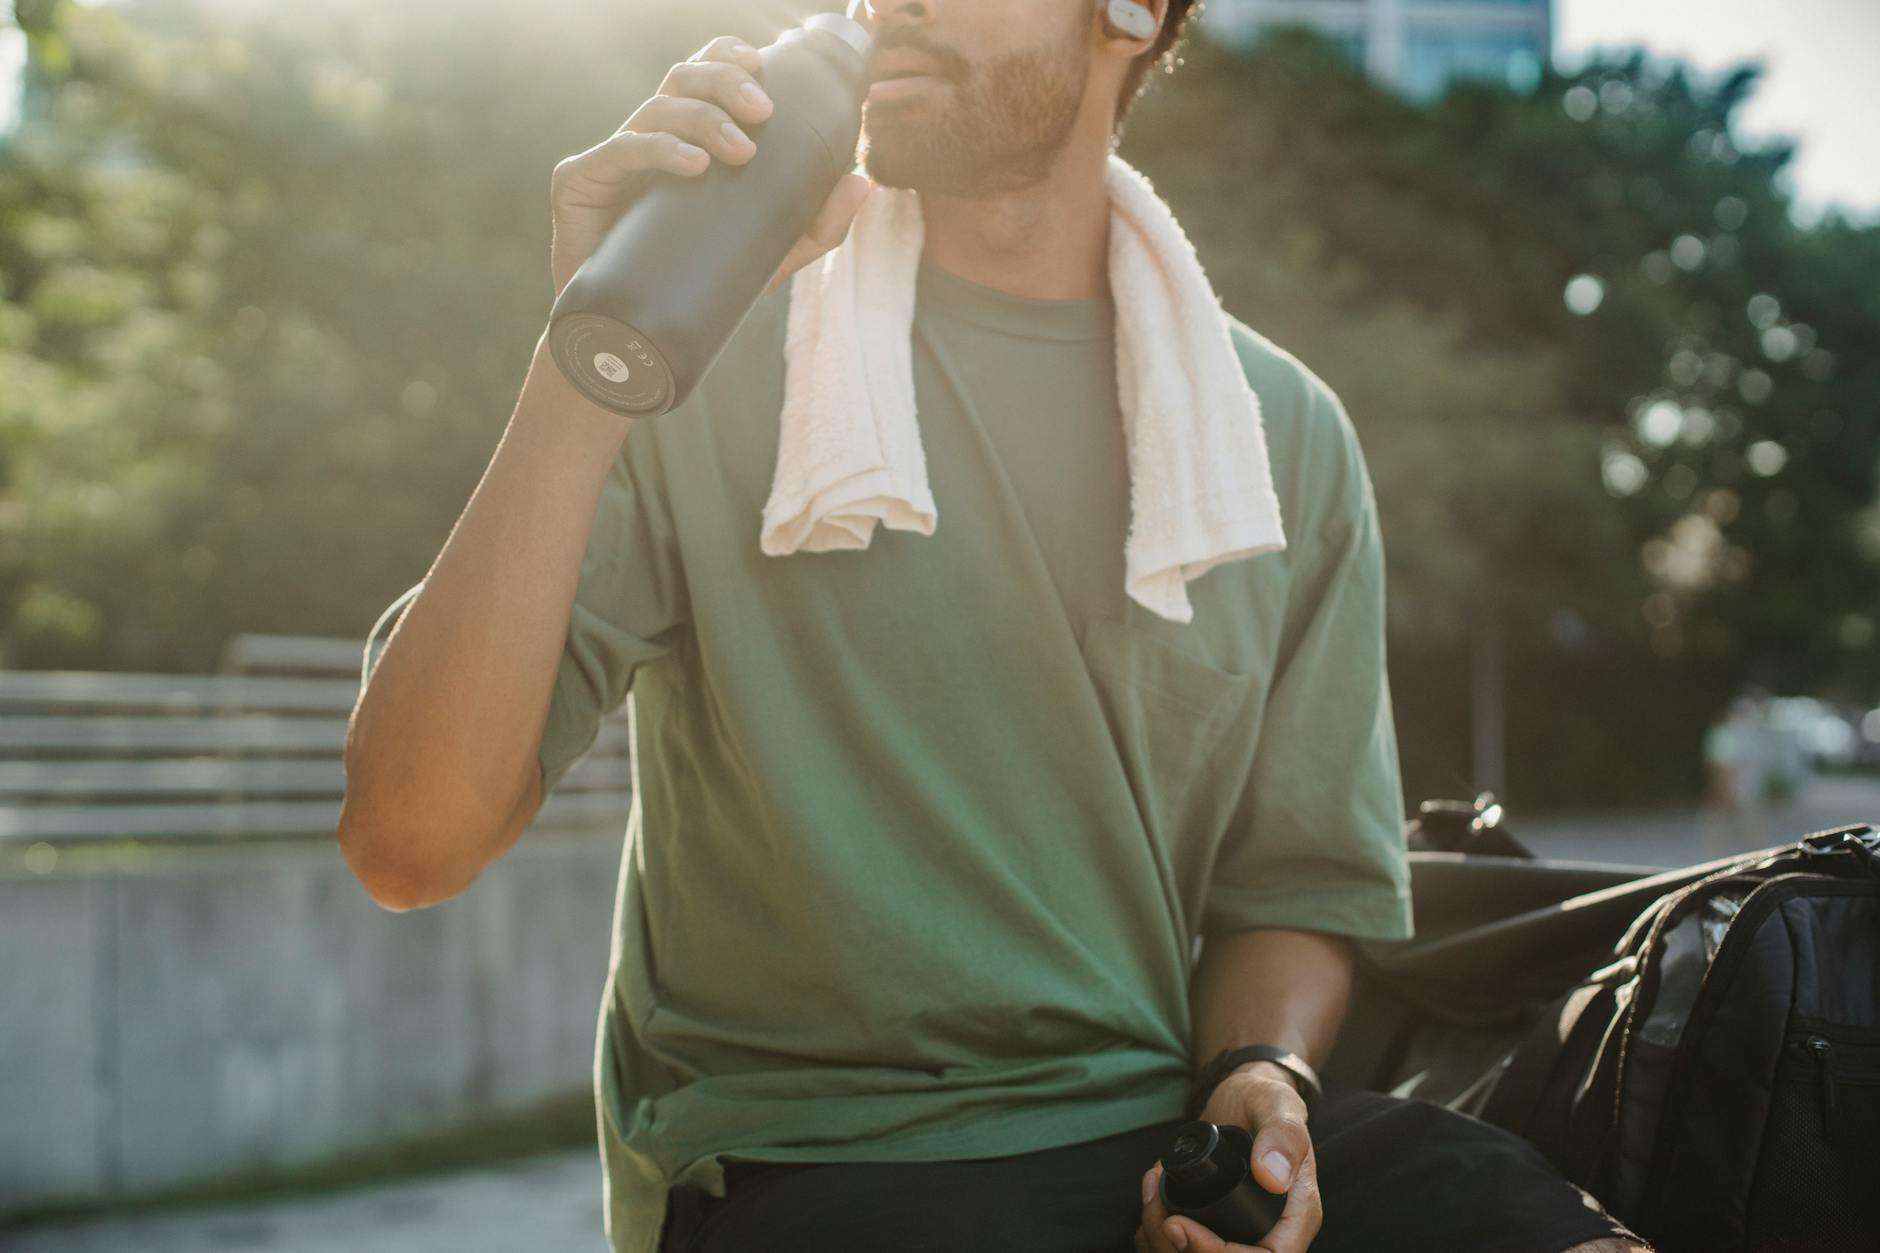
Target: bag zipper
<point x="1823" y="1051"/>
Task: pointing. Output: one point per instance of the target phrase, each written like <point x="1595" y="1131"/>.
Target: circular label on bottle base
<point x="611" y="363"/>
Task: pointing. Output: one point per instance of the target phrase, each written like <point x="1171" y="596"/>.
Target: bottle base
<point x="612" y="364"/>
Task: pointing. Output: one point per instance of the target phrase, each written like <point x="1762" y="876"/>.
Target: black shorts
<point x="1394" y="1175"/>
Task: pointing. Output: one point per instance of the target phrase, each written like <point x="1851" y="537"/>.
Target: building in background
<point x="1416" y="46"/>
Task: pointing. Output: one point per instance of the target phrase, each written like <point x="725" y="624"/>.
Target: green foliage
<point x="1592" y="482"/>
<point x="268" y="285"/>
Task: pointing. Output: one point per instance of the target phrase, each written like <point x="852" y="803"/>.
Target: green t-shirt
<point x="925" y="835"/>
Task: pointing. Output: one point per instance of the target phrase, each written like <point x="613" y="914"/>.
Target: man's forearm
<point x="1268" y="986"/>
<point x="441" y="747"/>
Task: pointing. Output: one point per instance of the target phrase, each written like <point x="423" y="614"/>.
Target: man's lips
<point x="901" y="63"/>
<point x="904" y="87"/>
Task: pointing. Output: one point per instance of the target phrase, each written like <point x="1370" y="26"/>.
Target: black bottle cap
<point x="1190" y="1155"/>
<point x="847" y="29"/>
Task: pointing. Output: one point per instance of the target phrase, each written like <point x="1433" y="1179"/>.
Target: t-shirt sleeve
<point x="382" y="630"/>
<point x="630" y="605"/>
<point x="1316" y="841"/>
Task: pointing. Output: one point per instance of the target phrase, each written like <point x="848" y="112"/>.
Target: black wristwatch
<point x="1225" y="1062"/>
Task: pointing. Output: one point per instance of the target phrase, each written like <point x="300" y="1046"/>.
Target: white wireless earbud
<point x="1131" y="17"/>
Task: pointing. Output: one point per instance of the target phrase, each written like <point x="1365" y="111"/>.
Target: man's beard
<point x="999" y="127"/>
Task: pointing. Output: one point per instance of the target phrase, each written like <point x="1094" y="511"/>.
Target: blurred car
<point x="1811" y="734"/>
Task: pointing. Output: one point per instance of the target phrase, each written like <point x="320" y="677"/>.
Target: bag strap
<point x="1516" y="1094"/>
<point x="1858" y="843"/>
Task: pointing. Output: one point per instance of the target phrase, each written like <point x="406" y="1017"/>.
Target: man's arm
<point x="1285" y="988"/>
<point x="1314" y="853"/>
<point x="1269" y="986"/>
<point x="1262" y="986"/>
<point x="443" y="753"/>
<point x="441" y="765"/>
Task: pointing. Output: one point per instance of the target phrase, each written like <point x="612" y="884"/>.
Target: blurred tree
<point x="1592" y="359"/>
<point x="268" y="285"/>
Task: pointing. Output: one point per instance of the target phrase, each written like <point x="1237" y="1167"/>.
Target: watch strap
<point x="1225" y="1062"/>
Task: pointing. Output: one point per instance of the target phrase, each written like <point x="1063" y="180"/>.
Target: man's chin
<point x="925" y="154"/>
<point x="900" y="143"/>
<point x="896" y="160"/>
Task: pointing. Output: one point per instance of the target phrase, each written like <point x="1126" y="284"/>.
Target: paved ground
<point x="1675" y="837"/>
<point x="552" y="1202"/>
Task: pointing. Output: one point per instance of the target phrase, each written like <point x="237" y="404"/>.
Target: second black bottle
<point x="1207" y="1175"/>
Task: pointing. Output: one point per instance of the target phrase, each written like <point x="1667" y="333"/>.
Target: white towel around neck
<point x="849" y="452"/>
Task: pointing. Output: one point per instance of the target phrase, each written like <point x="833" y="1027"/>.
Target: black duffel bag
<point x="1500" y="935"/>
<point x="1716" y="1083"/>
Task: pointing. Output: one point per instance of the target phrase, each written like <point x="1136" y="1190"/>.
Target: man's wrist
<point x="1263" y="1061"/>
<point x="1268" y="1070"/>
<point x="548" y="397"/>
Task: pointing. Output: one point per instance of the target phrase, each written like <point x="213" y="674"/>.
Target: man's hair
<point x="1161" y="56"/>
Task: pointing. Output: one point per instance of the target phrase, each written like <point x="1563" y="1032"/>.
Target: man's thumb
<point x="1277" y="1152"/>
<point x="1277" y="1168"/>
<point x="829" y="229"/>
<point x="831" y="226"/>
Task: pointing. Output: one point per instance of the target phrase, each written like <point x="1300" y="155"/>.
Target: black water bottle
<point x="645" y="317"/>
<point x="1207" y="1175"/>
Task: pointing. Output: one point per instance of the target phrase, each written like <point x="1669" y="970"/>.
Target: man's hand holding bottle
<point x="697" y="116"/>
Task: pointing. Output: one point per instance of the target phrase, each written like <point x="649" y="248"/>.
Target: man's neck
<point x="1049" y="240"/>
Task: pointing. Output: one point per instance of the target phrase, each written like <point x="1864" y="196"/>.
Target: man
<point x="1736" y="759"/>
<point x="925" y="836"/>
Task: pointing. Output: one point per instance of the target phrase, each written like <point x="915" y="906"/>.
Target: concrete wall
<point x="217" y="1009"/>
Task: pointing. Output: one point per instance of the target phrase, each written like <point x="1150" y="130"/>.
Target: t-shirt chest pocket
<point x="1166" y="708"/>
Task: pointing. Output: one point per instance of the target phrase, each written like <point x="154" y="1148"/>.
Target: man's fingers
<point x="724" y="82"/>
<point x="1152" y="1236"/>
<point x="1289" y="1235"/>
<point x="1201" y="1240"/>
<point x="699" y="122"/>
<point x="1300" y="1221"/>
<point x="730" y="48"/>
<point x="617" y="161"/>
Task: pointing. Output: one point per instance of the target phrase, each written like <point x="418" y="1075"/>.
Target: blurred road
<point x="1674" y="837"/>
<point x="549" y="1202"/>
<point x="553" y="1201"/>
